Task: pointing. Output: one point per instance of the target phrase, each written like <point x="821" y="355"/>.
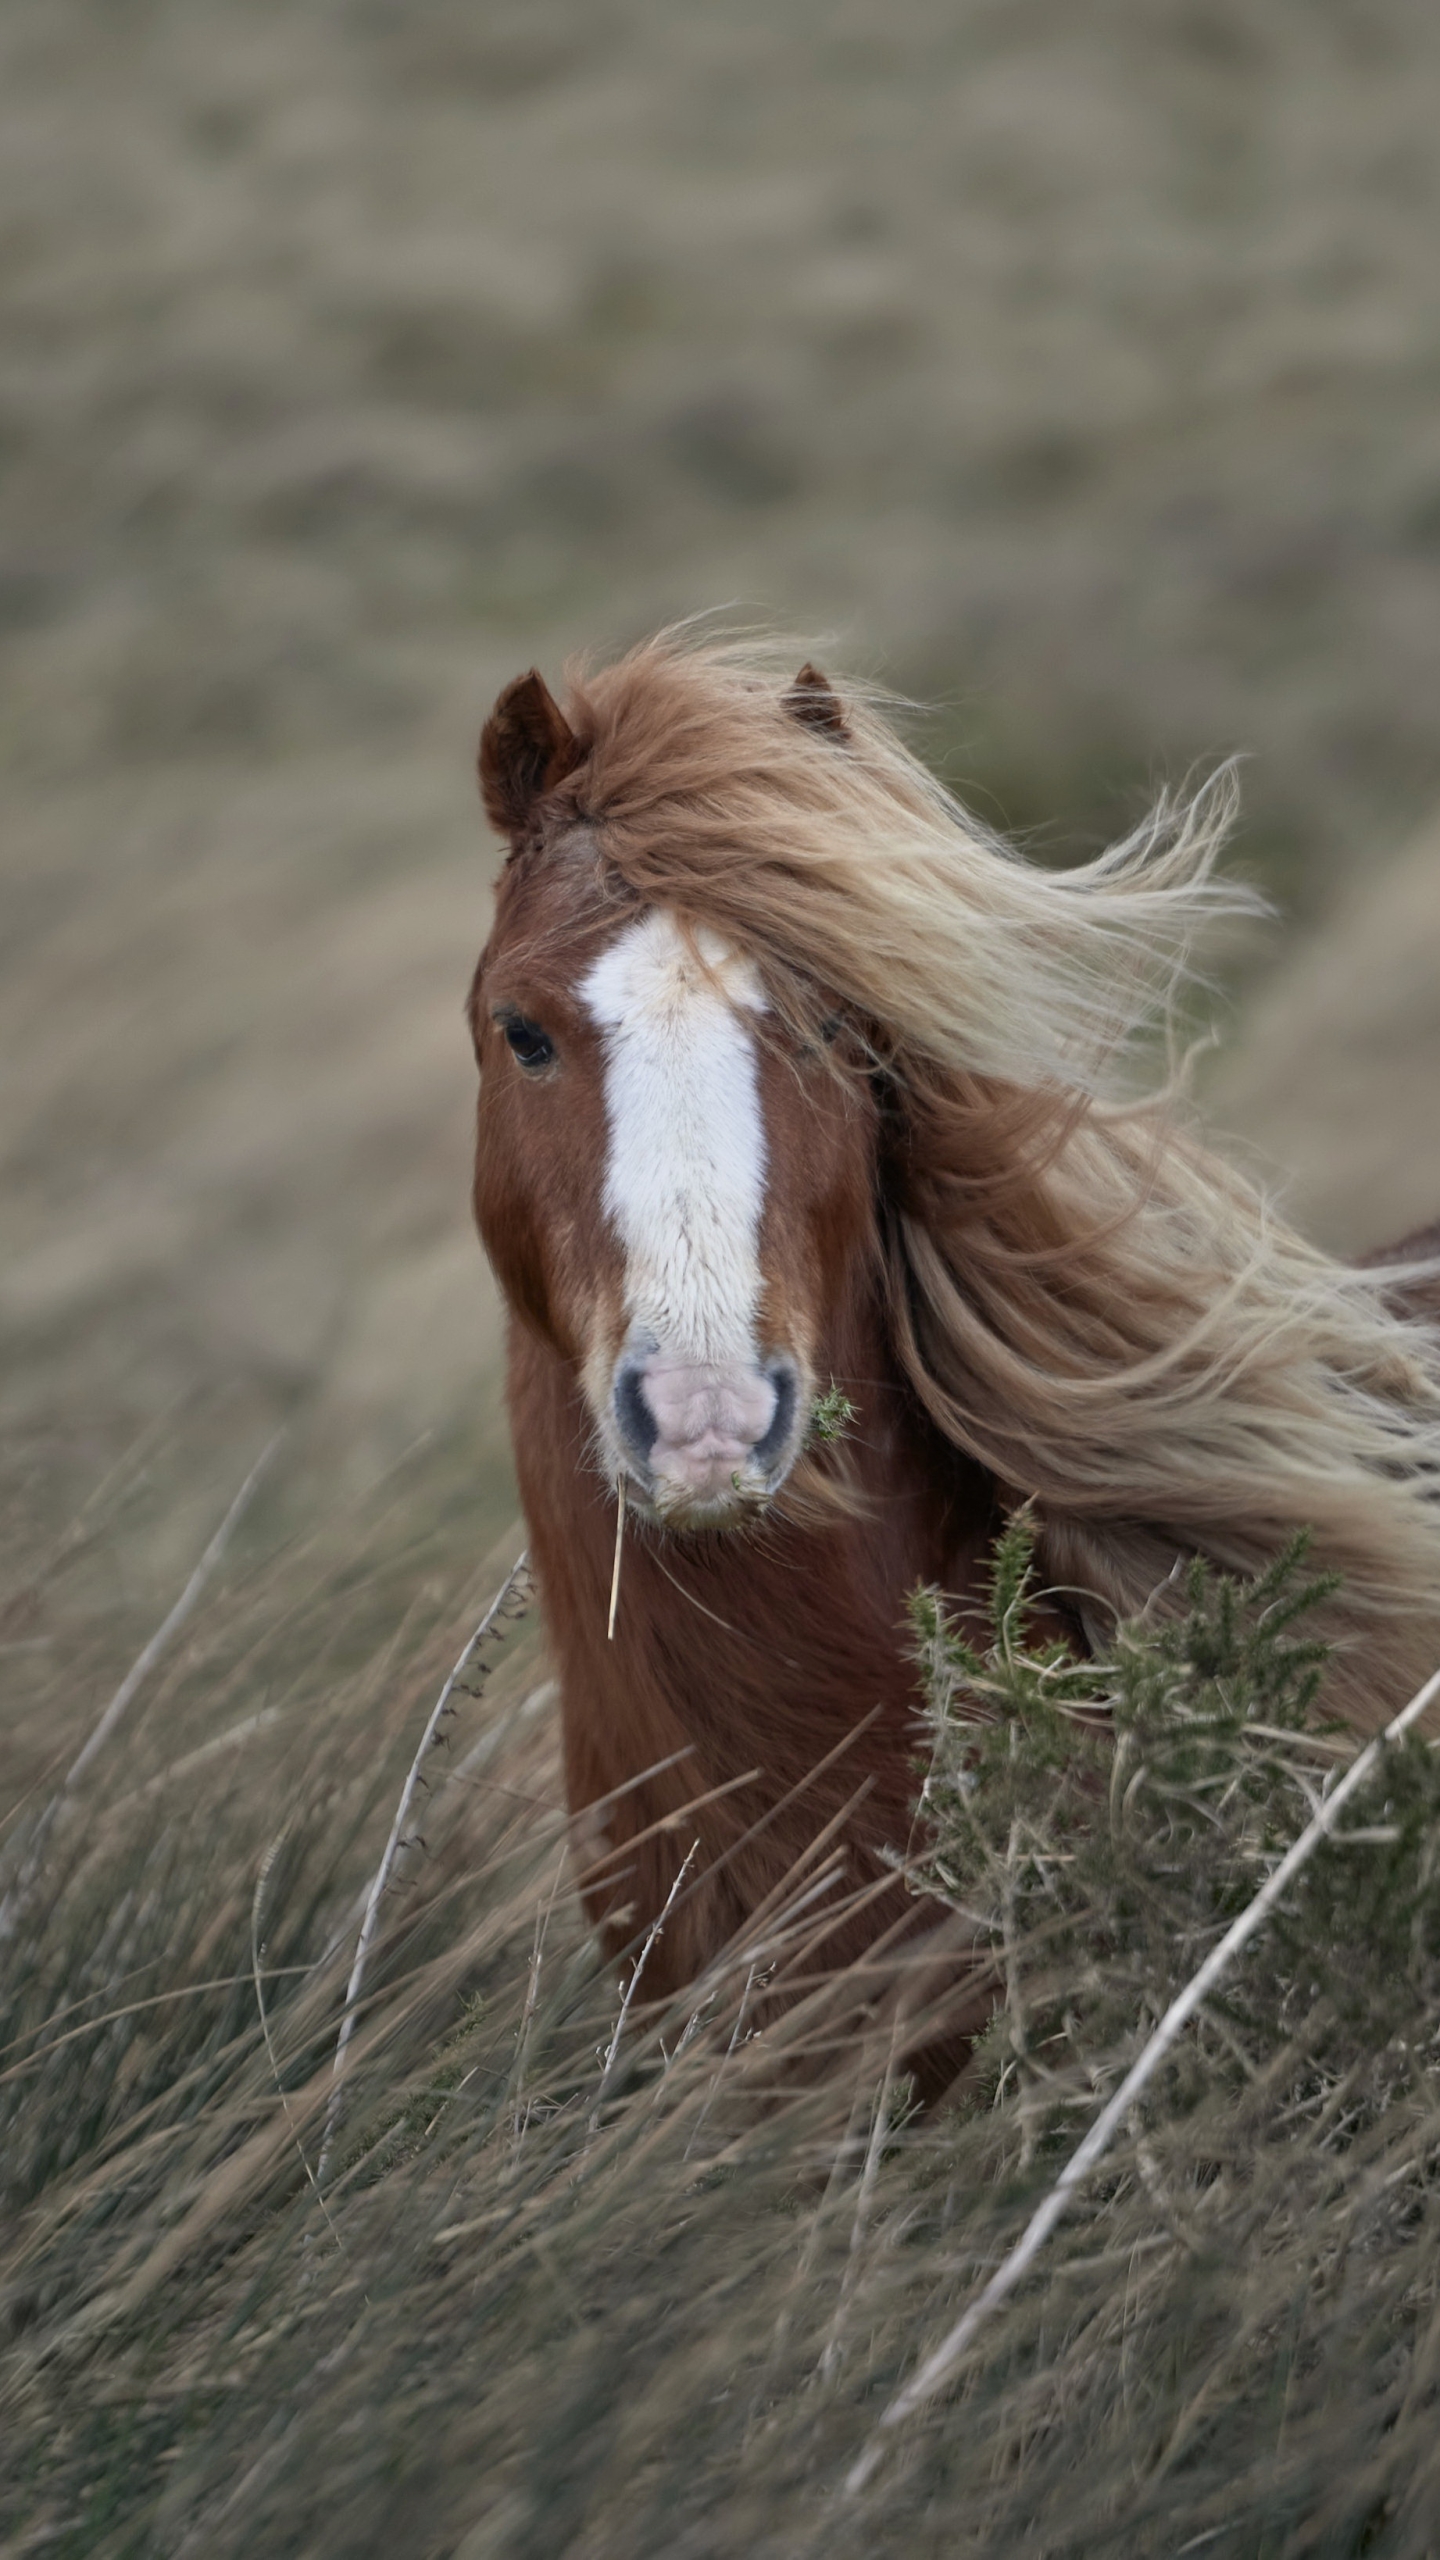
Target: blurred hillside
<point x="1336" y="1079"/>
<point x="1077" y="372"/>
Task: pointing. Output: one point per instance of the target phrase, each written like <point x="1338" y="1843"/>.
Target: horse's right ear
<point x="813" y="699"/>
<point x="526" y="746"/>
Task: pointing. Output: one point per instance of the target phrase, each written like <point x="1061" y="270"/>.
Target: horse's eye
<point x="531" y="1046"/>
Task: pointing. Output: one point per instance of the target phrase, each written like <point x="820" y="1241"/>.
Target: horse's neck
<point x="760" y="1649"/>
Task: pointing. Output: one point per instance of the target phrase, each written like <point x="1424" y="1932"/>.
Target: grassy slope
<point x="561" y="2297"/>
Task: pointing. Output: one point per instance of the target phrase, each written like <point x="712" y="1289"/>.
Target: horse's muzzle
<point x="706" y="1442"/>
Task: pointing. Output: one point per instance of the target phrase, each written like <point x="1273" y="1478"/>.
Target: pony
<point x="804" y="1097"/>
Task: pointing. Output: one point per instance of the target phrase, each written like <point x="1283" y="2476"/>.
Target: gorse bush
<point x="1101" y="1822"/>
<point x="557" y="2293"/>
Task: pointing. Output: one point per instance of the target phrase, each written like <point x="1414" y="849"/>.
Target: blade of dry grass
<point x="170" y="1626"/>
<point x="512" y="1598"/>
<point x="257" y="1951"/>
<point x="15" y="1901"/>
<point x="653" y="1934"/>
<point x="619" y="1547"/>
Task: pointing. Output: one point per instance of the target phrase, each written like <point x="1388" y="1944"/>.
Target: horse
<point x="802" y="1096"/>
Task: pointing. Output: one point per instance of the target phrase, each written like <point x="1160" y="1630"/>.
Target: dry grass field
<point x="1077" y="372"/>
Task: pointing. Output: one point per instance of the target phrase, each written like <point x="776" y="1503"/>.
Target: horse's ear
<point x="813" y="699"/>
<point x="526" y="746"/>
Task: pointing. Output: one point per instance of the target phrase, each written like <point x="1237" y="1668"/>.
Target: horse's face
<point x="674" y="1189"/>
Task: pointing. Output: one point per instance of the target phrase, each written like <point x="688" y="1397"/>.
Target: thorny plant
<point x="1099" y="1823"/>
<point x="831" y="1414"/>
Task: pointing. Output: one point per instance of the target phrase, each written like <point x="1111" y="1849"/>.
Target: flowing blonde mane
<point x="1085" y="1297"/>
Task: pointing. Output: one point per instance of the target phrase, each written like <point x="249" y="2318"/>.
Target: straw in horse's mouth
<point x="619" y="1549"/>
<point x="756" y="1503"/>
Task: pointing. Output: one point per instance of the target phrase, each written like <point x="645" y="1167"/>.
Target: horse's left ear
<point x="813" y="699"/>
<point x="526" y="746"/>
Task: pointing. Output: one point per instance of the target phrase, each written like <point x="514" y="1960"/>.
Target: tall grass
<point x="563" y="2292"/>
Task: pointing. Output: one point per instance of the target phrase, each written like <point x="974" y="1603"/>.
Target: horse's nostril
<point x="637" y="1422"/>
<point x="782" y="1379"/>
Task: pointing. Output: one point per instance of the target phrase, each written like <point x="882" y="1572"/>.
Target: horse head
<point x="675" y="1161"/>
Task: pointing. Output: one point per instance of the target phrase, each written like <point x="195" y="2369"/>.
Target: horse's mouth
<point x="725" y="1499"/>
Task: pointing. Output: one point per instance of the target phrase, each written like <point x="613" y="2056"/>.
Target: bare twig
<point x="515" y="1588"/>
<point x="938" y="2367"/>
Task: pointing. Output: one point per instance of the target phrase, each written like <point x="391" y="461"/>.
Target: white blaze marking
<point x="685" y="1183"/>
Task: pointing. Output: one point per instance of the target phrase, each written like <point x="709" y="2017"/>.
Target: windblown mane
<point x="1084" y="1296"/>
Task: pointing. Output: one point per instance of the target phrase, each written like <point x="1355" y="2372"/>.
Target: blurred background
<point x="1078" y="371"/>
